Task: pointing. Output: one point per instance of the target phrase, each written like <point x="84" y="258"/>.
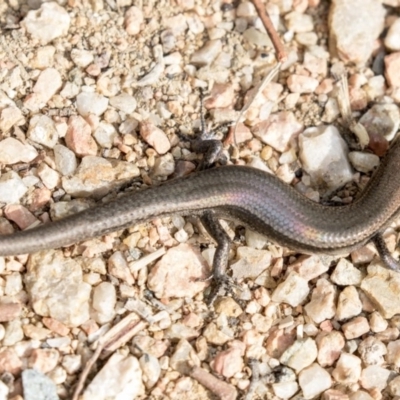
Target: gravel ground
<point x="96" y="97"/>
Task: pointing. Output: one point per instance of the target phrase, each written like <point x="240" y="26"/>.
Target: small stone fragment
<point x="392" y="68"/>
<point x="382" y="287"/>
<point x="363" y="162"/>
<point x="10" y="362"/>
<point x="300" y="355"/>
<point x="394" y="386"/>
<point x="105" y="135"/>
<point x="96" y="176"/>
<point x="299" y="22"/>
<point x="229" y="362"/>
<point x="79" y="137"/>
<point x="119" y="268"/>
<point x="179" y="273"/>
<point x="278" y="129"/>
<point x="330" y="347"/>
<point x="43" y="360"/>
<point x="314" y="380"/>
<point x="124" y="102"/>
<point x="9" y="117"/>
<point x="65" y="160"/>
<point x="133" y="20"/>
<point x="346" y="274"/>
<point x="151" y="369"/>
<point x="42" y="130"/>
<point x="354" y="27"/>
<point x="81" y="58"/>
<point x="374" y="376"/>
<point x="377" y="322"/>
<point x="49" y="177"/>
<point x="207" y="54"/>
<point x="104" y="300"/>
<point x="13" y="151"/>
<point x="120" y="378"/>
<point x="348" y="369"/>
<point x="322" y="304"/>
<point x="293" y="290"/>
<point x="37" y="385"/>
<point x="302" y="84"/>
<point x="355" y="328"/>
<point x="251" y="263"/>
<point x="393" y="353"/>
<point x="9" y="311"/>
<point x="12" y="188"/>
<point x="20" y="215"/>
<point x="309" y="267"/>
<point x="47" y="23"/>
<point x="221" y="96"/>
<point x="372" y="351"/>
<point x="91" y="103"/>
<point x="349" y="304"/>
<point x="382" y="120"/>
<point x="228" y="307"/>
<point x="47" y="85"/>
<point x="392" y="39"/>
<point x="323" y="154"/>
<point x="155" y="137"/>
<point x="55" y="288"/>
<point x="285" y="390"/>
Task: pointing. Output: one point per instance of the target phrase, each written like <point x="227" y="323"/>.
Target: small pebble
<point x="155" y="137"/>
<point x="91" y="103"/>
<point x="392" y="68"/>
<point x="354" y="27"/>
<point x="392" y="39"/>
<point x="363" y="162"/>
<point x="133" y="20"/>
<point x="292" y="291"/>
<point x="323" y="154"/>
<point x="207" y="54"/>
<point x="313" y="381"/>
<point x="13" y="151"/>
<point x="47" y="23"/>
<point x="348" y="369"/>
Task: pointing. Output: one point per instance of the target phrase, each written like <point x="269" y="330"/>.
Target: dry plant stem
<point x="223" y="390"/>
<point x="258" y="90"/>
<point x="85" y="373"/>
<point x="276" y="40"/>
<point x="345" y="110"/>
<point x="116" y="337"/>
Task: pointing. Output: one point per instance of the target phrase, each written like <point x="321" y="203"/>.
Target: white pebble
<point x="91" y="103"/>
<point x="104" y="300"/>
<point x="49" y="177"/>
<point x="13" y="151"/>
<point x="323" y="154"/>
<point x="124" y="102"/>
<point x="43" y="130"/>
<point x="120" y="377"/>
<point x="47" y="23"/>
<point x="363" y="162"/>
<point x="133" y="20"/>
<point x="314" y="380"/>
<point x="65" y="160"/>
<point x="81" y="58"/>
<point x="105" y="134"/>
<point x="292" y="291"/>
<point x="392" y="39"/>
<point x="11" y="188"/>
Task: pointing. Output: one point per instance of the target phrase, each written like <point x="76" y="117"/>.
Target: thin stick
<point x="276" y="41"/>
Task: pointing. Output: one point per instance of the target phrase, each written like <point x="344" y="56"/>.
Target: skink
<point x="252" y="197"/>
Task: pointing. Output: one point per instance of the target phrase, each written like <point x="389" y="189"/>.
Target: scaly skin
<point x="250" y="196"/>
